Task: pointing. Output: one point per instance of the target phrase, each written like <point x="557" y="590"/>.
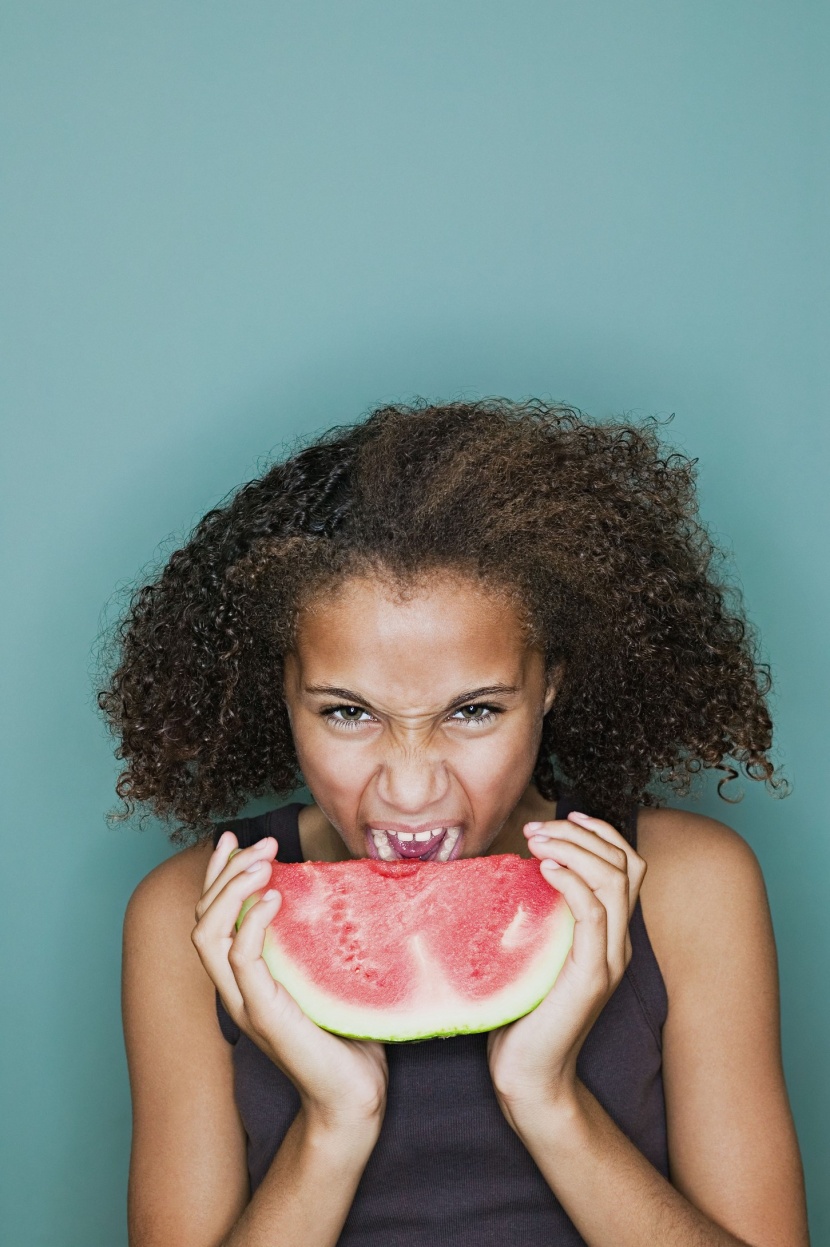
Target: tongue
<point x="415" y="848"/>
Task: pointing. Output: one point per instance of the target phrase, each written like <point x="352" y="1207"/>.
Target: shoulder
<point x="161" y="969"/>
<point x="158" y="953"/>
<point x="703" y="890"/>
<point x="693" y="861"/>
<point x="166" y="897"/>
<point x="703" y="887"/>
<point x="731" y="1137"/>
<point x="187" y="1162"/>
<point x="679" y="844"/>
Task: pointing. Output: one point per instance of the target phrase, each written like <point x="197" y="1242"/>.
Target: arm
<point x="306" y="1195"/>
<point x="736" y="1174"/>
<point x="188" y="1173"/>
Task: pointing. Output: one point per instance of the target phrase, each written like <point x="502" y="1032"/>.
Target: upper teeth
<point x="385" y="850"/>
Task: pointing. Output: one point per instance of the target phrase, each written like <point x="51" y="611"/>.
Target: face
<point x="417" y="722"/>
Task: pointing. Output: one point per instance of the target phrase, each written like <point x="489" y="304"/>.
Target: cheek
<point x="330" y="763"/>
<point x="496" y="762"/>
<point x="499" y="759"/>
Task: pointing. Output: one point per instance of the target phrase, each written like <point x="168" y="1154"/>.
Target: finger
<point x="609" y="884"/>
<point x="589" y="950"/>
<point x="601" y="838"/>
<point x="597" y="871"/>
<point x="221" y="974"/>
<point x="636" y="865"/>
<point x="217" y="923"/>
<point x="214" y="931"/>
<point x="237" y="862"/>
<point x="250" y="937"/>
<point x="563" y="829"/>
<point x="266" y="1001"/>
<point x="213" y="955"/>
<point x="225" y="845"/>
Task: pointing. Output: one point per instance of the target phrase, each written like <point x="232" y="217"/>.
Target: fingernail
<point x="270" y="894"/>
<point x="252" y="869"/>
<point x="551" y="864"/>
<point x="541" y="839"/>
<point x="533" y="826"/>
<point x="577" y="814"/>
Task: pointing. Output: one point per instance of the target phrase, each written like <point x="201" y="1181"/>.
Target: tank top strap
<point x="572" y="801"/>
<point x="282" y="824"/>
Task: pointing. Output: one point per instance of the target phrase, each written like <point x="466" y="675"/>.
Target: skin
<point x="414" y="758"/>
<point x="416" y="740"/>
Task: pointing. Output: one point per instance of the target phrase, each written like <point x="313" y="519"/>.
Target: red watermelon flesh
<point x="412" y="949"/>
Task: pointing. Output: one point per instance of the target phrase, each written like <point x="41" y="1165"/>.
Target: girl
<point x="501" y="625"/>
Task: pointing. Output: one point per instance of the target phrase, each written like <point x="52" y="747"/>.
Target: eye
<point x="351" y="716"/>
<point x="477" y="712"/>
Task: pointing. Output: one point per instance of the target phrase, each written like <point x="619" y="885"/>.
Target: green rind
<point x="470" y="1017"/>
<point x="246" y="905"/>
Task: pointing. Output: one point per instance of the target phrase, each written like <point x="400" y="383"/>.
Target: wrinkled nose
<point x="411" y="783"/>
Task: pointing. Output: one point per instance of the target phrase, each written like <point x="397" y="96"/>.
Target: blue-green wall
<point x="227" y="224"/>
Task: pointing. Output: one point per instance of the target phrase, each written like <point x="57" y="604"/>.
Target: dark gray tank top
<point x="447" y="1169"/>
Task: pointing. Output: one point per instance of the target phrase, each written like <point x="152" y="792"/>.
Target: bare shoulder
<point x="674" y="840"/>
<point x="160" y="962"/>
<point x="161" y="968"/>
<point x="163" y="895"/>
<point x="732" y="1144"/>
<point x="188" y="1177"/>
<point x="703" y="880"/>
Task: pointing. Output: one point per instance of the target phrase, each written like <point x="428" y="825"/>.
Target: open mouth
<point x="437" y="844"/>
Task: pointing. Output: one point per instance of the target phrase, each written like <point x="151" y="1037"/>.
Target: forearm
<point x="612" y="1193"/>
<point x="308" y="1190"/>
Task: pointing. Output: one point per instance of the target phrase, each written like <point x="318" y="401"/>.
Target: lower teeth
<point x="448" y="846"/>
<point x="388" y="854"/>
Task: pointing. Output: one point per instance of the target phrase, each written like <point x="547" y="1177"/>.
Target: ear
<point x="555" y="679"/>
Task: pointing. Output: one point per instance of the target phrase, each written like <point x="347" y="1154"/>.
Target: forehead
<point x="439" y="631"/>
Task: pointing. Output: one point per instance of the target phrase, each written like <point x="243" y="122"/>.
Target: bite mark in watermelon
<point x="408" y="950"/>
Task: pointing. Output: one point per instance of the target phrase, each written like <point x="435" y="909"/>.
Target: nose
<point x="410" y="782"/>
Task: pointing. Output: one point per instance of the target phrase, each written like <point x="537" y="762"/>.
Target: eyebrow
<point x="475" y="694"/>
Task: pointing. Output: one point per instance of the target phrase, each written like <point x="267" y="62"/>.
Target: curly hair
<point x="592" y="528"/>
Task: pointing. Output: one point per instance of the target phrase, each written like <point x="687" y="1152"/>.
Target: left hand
<point x="599" y="874"/>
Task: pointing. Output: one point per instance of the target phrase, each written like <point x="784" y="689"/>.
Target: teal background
<point x="229" y="224"/>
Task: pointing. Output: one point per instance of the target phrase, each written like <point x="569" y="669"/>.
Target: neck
<point x="532" y="807"/>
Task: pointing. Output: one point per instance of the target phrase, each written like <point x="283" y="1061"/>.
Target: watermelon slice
<point x="408" y="950"/>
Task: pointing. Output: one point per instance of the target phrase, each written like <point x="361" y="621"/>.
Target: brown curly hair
<point x="591" y="527"/>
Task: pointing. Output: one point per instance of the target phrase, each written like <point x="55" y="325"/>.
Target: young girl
<point x="468" y="629"/>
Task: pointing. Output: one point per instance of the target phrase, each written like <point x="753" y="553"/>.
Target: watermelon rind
<point x="439" y="1018"/>
<point x="439" y="1012"/>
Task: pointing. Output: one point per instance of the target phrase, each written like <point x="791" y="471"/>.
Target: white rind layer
<point x="434" y="1008"/>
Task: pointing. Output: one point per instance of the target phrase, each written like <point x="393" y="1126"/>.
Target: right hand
<point x="341" y="1082"/>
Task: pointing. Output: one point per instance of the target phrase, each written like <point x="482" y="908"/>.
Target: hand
<point x="533" y="1060"/>
<point x="340" y="1081"/>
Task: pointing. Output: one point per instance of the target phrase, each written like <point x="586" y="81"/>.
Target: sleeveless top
<point x="447" y="1168"/>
